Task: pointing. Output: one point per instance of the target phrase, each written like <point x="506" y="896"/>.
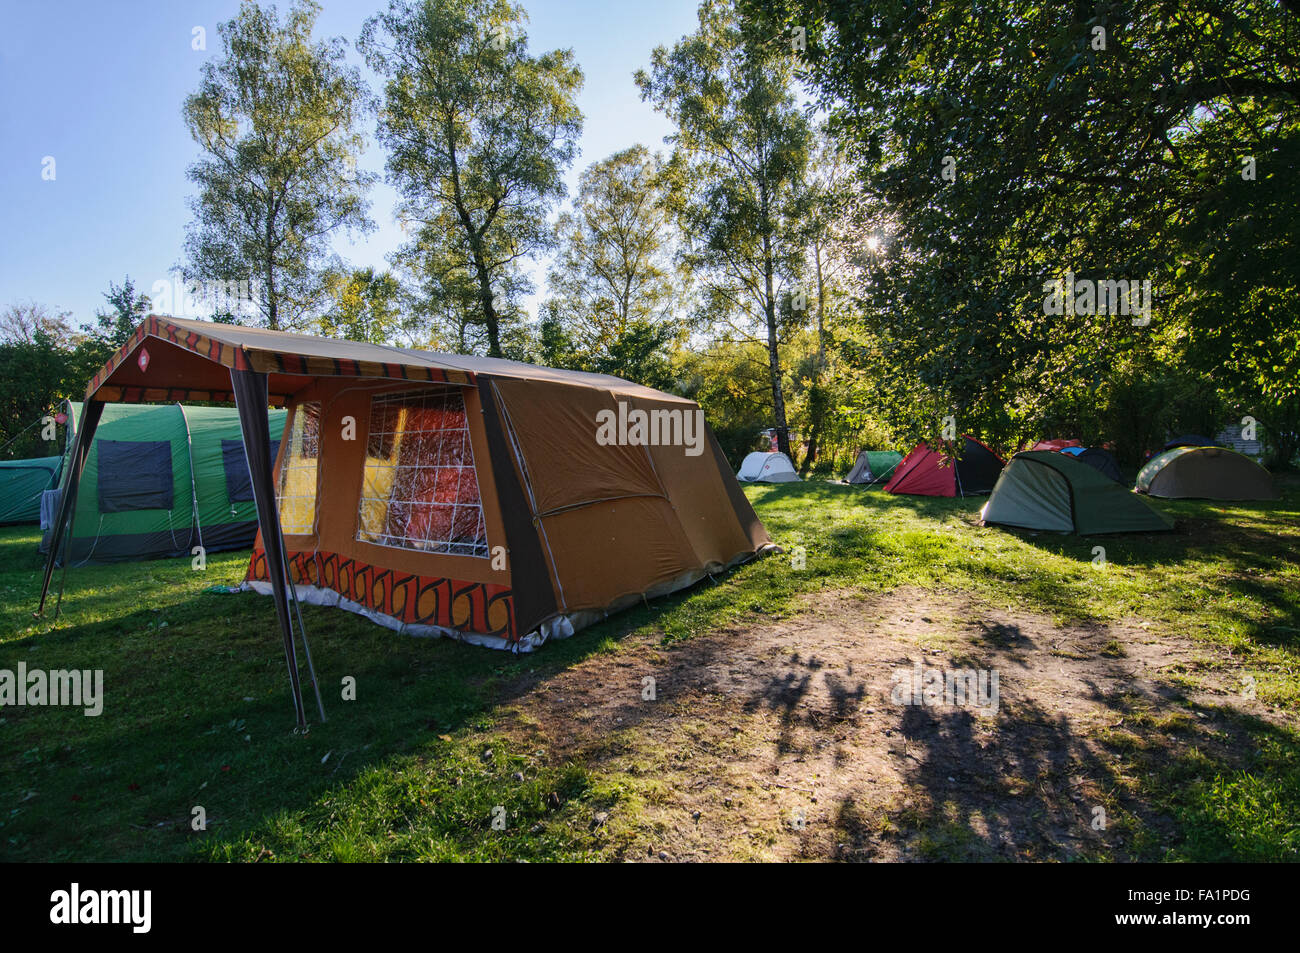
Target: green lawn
<point x="197" y="711"/>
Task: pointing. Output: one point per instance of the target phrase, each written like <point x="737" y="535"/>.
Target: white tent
<point x="767" y="468"/>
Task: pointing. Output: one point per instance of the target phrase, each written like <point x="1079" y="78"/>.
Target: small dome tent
<point x="767" y="468"/>
<point x="1205" y="473"/>
<point x="872" y="465"/>
<point x="1102" y="461"/>
<point x="1054" y="492"/>
<point x="1098" y="458"/>
<point x="926" y="472"/>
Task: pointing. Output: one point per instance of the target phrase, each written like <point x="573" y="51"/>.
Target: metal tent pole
<point x="302" y="630"/>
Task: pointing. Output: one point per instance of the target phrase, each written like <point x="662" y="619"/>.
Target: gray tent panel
<point x="861" y="472"/>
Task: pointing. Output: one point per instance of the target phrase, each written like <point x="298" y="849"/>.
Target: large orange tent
<point x="444" y="494"/>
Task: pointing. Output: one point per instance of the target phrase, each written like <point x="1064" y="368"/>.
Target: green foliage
<point x="365" y="306"/>
<point x="479" y="133"/>
<point x="614" y="284"/>
<point x="738" y="177"/>
<point x="1247" y="814"/>
<point x="1001" y="146"/>
<point x="276" y="116"/>
<point x="44" y="360"/>
<point x="127" y="309"/>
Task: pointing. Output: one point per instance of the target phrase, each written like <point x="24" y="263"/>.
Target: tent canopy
<point x="1098" y="458"/>
<point x="1054" y="492"/>
<point x="767" y="468"/>
<point x="175" y="359"/>
<point x="1207" y="473"/>
<point x="926" y="472"/>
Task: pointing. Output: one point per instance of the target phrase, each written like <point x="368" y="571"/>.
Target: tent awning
<point x="177" y="360"/>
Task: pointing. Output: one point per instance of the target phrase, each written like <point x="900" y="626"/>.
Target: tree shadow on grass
<point x="1040" y="789"/>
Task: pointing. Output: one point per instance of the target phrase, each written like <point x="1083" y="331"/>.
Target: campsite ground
<point x="1160" y="688"/>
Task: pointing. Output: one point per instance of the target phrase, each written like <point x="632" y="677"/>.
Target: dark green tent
<point x="1054" y="492"/>
<point x="161" y="479"/>
<point x="21" y="484"/>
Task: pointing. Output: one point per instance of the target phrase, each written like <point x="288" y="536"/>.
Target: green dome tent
<point x="1205" y="473"/>
<point x="161" y="479"/>
<point x="1054" y="492"/>
<point x="872" y="465"/>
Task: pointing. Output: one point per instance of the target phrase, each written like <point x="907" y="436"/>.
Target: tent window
<point x="134" y="475"/>
<point x="239" y="485"/>
<point x="420" y="490"/>
<point x="297" y="487"/>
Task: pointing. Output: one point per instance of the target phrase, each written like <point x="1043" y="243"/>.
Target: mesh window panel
<point x="239" y="483"/>
<point x="134" y="475"/>
<point x="297" y="486"/>
<point x="420" y="490"/>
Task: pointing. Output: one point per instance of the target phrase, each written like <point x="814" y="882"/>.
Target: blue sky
<point x="98" y="87"/>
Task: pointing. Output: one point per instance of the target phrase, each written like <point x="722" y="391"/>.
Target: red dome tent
<point x="1056" y="444"/>
<point x="926" y="472"/>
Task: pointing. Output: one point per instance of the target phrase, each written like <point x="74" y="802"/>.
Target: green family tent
<point x="1205" y="473"/>
<point x="161" y="479"/>
<point x="21" y="484"/>
<point x="1054" y="492"/>
<point x="873" y="465"/>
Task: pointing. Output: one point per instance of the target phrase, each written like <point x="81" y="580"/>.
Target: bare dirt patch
<point x="781" y="740"/>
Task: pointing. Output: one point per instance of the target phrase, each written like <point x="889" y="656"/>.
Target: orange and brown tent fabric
<point x="450" y="494"/>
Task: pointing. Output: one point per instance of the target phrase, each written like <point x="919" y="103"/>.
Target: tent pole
<point x="63" y="570"/>
<point x="251" y="399"/>
<point x="302" y="630"/>
<point x="91" y="411"/>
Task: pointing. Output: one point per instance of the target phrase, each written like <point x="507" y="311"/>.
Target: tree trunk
<point x="490" y="318"/>
<point x="814" y="435"/>
<point x="817" y="396"/>
<point x="773" y="351"/>
<point x="272" y="306"/>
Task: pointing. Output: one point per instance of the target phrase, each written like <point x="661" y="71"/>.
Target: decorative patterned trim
<point x="171" y="395"/>
<point x="263" y="361"/>
<point x="479" y="608"/>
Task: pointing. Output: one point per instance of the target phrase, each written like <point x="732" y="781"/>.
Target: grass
<point x="197" y="712"/>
